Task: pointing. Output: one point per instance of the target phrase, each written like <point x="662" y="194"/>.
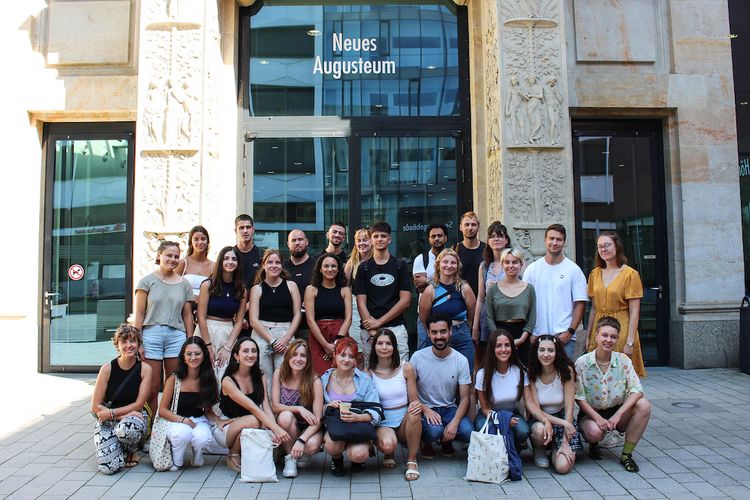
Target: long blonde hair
<point x="448" y="252"/>
<point x="355" y="258"/>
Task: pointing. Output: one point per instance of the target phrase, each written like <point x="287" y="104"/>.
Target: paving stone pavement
<point x="696" y="446"/>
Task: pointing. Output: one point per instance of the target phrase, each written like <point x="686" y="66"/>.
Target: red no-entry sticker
<point x="75" y="272"/>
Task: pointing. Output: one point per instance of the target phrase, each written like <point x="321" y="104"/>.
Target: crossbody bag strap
<point x="176" y="394"/>
<point x="124" y="383"/>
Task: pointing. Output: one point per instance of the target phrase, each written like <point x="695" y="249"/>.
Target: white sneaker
<point x="146" y="445"/>
<point x="303" y="461"/>
<point x="613" y="439"/>
<point x="540" y="458"/>
<point x="290" y="466"/>
<point x="175" y="468"/>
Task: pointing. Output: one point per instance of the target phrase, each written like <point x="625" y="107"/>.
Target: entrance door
<point x="87" y="245"/>
<point x="619" y="186"/>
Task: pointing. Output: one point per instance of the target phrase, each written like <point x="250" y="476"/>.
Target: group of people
<point x="256" y="341"/>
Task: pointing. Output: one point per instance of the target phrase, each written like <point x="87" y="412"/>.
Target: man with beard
<point x="336" y="238"/>
<point x="470" y="250"/>
<point x="300" y="268"/>
<point x="442" y="373"/>
<point x="424" y="269"/>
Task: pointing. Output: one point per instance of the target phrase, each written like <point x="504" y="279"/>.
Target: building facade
<point x="133" y="120"/>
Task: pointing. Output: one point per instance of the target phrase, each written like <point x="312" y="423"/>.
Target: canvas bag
<point x="257" y="456"/>
<point x="160" y="449"/>
<point x="487" y="457"/>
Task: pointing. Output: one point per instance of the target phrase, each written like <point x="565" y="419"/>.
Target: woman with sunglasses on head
<point x="221" y="308"/>
<point x="616" y="290"/>
<point x="298" y="405"/>
<point x="396" y="383"/>
<point x="552" y="378"/>
<point x="362" y="252"/>
<point x="244" y="401"/>
<point x="198" y="392"/>
<point x="122" y="388"/>
<point x="196" y="266"/>
<point x="328" y="308"/>
<point x="164" y="314"/>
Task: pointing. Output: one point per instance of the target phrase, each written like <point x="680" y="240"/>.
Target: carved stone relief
<point x="491" y="70"/>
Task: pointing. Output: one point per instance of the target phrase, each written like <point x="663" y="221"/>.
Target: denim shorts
<point x="161" y="341"/>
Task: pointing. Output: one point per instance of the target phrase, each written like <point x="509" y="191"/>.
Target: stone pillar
<point x="536" y="173"/>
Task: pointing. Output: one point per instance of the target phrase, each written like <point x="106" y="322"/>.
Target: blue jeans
<point x="432" y="433"/>
<point x="521" y="431"/>
<point x="460" y="340"/>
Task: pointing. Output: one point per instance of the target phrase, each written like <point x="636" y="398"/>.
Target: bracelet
<point x="209" y="344"/>
<point x="112" y="413"/>
<point x="182" y="420"/>
<point x="301" y="440"/>
<point x="273" y="341"/>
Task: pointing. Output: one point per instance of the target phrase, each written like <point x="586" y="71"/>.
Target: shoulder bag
<point x="351" y="432"/>
<point x="487" y="457"/>
<point x="160" y="450"/>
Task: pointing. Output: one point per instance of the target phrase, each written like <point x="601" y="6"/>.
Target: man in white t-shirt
<point x="442" y="375"/>
<point x="424" y="269"/>
<point x="561" y="292"/>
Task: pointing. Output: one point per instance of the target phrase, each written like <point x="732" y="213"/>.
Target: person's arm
<point x="490" y="306"/>
<point x="187" y="318"/>
<point x="634" y="311"/>
<point x="470" y="300"/>
<point x="591" y="325"/>
<point x="404" y="300"/>
<point x="180" y="267"/>
<point x="579" y="308"/>
<point x="590" y="412"/>
<point x="165" y="410"/>
<point x="535" y="410"/>
<point x="237" y="323"/>
<point x="450" y="431"/>
<point x="255" y="324"/>
<point x="100" y="389"/>
<point x="280" y="346"/>
<point x="310" y="293"/>
<point x="139" y="308"/>
<point x="346" y="296"/>
<point x="475" y="325"/>
<point x="629" y="403"/>
<point x="425" y="303"/>
<point x="484" y="403"/>
<point x="202" y="312"/>
<point x="280" y="435"/>
<point x="569" y="396"/>
<point x="419" y="274"/>
<point x="372" y="396"/>
<point x="415" y="406"/>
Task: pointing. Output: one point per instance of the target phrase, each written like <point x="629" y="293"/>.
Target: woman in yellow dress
<point x="616" y="290"/>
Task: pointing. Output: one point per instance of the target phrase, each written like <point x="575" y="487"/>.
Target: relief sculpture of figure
<point x="528" y="7"/>
<point x="173" y="8"/>
<point x="178" y="120"/>
<point x="152" y="113"/>
<point x="514" y="110"/>
<point x="553" y="101"/>
<point x="534" y="96"/>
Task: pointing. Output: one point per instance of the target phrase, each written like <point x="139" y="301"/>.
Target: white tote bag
<point x="257" y="456"/>
<point x="160" y="449"/>
<point x="488" y="458"/>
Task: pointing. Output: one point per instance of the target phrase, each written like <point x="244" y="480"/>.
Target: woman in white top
<point x="552" y="379"/>
<point x="396" y="383"/>
<point x="196" y="266"/>
<point x="507" y="385"/>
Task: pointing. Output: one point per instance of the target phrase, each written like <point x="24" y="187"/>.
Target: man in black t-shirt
<point x="470" y="250"/>
<point x="248" y="256"/>
<point x="336" y="236"/>
<point x="300" y="268"/>
<point x="383" y="286"/>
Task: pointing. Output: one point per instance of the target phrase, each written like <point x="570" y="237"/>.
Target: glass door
<point x="87" y="251"/>
<point x="619" y="185"/>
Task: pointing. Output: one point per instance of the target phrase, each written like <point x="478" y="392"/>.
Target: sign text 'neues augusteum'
<point x="353" y="67"/>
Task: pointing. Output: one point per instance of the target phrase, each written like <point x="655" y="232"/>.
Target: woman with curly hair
<point x="552" y="378"/>
<point x="198" y="391"/>
<point x="448" y="294"/>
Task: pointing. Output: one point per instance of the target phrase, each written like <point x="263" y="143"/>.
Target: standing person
<point x="511" y="303"/>
<point x="244" y="401"/>
<point x="553" y="386"/>
<point x="221" y="308"/>
<point x="383" y="288"/>
<point x="616" y="290"/>
<point x="298" y="403"/>
<point x="300" y="268"/>
<point x="609" y="394"/>
<point x="164" y="314"/>
<point x="424" y="269"/>
<point x="336" y="236"/>
<point x="198" y="392"/>
<point x="448" y="294"/>
<point x="196" y="266"/>
<point x="328" y="309"/>
<point x="470" y="250"/>
<point x="362" y="252"/>
<point x="347" y="384"/>
<point x="122" y="388"/>
<point x="490" y="272"/>
<point x="443" y="385"/>
<point x="274" y="311"/>
<point x="561" y="292"/>
<point x="247" y="253"/>
<point x="501" y="383"/>
<point x="396" y="384"/>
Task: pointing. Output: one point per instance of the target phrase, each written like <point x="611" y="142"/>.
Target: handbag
<point x="160" y="449"/>
<point x="487" y="457"/>
<point x="351" y="432"/>
<point x="257" y="456"/>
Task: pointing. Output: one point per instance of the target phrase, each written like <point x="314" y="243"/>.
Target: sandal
<point x="626" y="459"/>
<point x="411" y="474"/>
<point x="229" y="460"/>
<point x="389" y="462"/>
<point x="132" y="460"/>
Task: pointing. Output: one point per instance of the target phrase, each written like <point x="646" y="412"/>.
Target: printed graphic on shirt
<point x="382" y="279"/>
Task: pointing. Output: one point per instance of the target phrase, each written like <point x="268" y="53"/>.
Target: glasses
<point x="604" y="246"/>
<point x="193" y="354"/>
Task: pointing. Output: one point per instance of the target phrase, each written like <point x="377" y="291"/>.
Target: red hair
<point x="344" y="344"/>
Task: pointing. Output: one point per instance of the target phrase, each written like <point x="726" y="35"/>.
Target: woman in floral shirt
<point x="609" y="394"/>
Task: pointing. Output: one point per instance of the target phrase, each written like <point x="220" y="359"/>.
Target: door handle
<point x="657" y="289"/>
<point x="51" y="294"/>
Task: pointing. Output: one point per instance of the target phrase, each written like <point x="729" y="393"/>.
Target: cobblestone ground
<point x="697" y="446"/>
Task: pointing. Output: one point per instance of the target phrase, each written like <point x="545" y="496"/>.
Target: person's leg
<point x="265" y="360"/>
<point x="130" y="431"/>
<point x="593" y="434"/>
<point x="201" y="439"/>
<point x="563" y="459"/>
<point x="336" y="450"/>
<point x="410" y="432"/>
<point x="570" y="349"/>
<point x="521" y="431"/>
<point x="109" y="454"/>
<point x="537" y="435"/>
<point x="365" y="346"/>
<point x="358" y="452"/>
<point x="179" y="435"/>
<point x="153" y="349"/>
<point x="386" y="441"/>
<point x="634" y="423"/>
<point x="402" y="339"/>
<point x="423" y="338"/>
<point x="288" y="422"/>
<point x="462" y="342"/>
<point x="464" y="430"/>
<point x="430" y="432"/>
<point x="479" y="420"/>
<point x="235" y="428"/>
<point x="314" y="443"/>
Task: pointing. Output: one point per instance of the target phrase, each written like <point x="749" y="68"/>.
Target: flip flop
<point x="389" y="462"/>
<point x="411" y="474"/>
<point x="132" y="460"/>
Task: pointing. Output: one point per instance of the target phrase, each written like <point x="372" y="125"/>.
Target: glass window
<point x="354" y="60"/>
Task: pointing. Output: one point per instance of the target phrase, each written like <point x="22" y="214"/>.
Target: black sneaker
<point x="337" y="467"/>
<point x="594" y="451"/>
<point x="427" y="451"/>
<point x="446" y="448"/>
<point x="358" y="467"/>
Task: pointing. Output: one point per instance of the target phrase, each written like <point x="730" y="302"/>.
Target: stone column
<point x="536" y="173"/>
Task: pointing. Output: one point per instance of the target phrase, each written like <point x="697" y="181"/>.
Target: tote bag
<point x="160" y="450"/>
<point x="488" y="458"/>
<point x="257" y="456"/>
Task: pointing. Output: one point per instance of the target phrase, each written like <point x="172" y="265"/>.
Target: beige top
<point x="165" y="301"/>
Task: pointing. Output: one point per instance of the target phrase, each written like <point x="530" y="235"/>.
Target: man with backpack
<point x="424" y="269"/>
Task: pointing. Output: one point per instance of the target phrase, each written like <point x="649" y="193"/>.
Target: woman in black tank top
<point x="275" y="311"/>
<point x="242" y="387"/>
<point x="122" y="388"/>
<point x="198" y="392"/>
<point x="328" y="309"/>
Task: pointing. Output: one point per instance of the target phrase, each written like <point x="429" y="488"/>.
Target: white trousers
<point x="181" y="435"/>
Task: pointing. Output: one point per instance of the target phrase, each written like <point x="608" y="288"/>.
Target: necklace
<point x="273" y="288"/>
<point x="338" y="382"/>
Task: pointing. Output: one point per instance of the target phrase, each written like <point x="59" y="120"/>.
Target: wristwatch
<point x="572" y="331"/>
<point x="630" y="344"/>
